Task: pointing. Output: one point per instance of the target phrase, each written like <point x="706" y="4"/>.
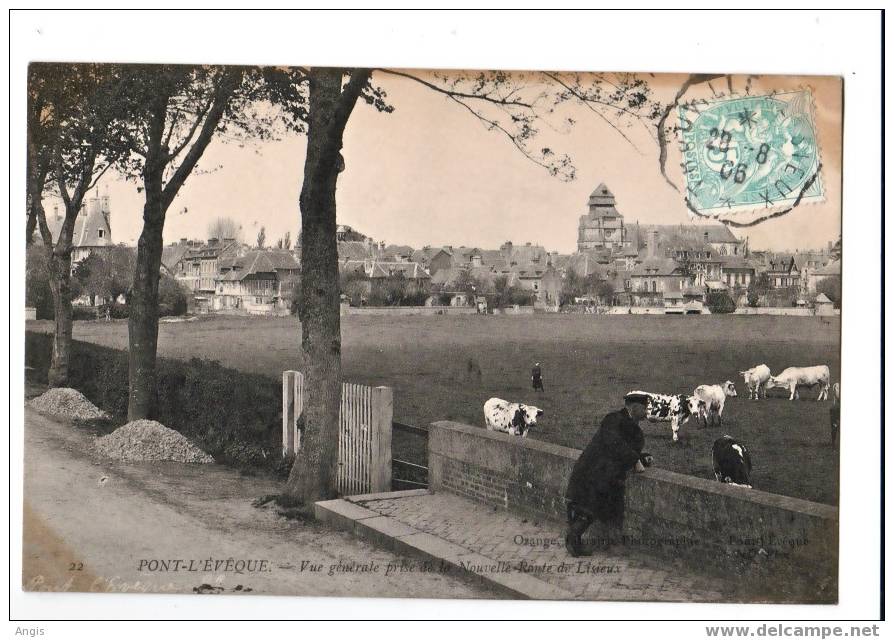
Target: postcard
<point x="408" y="333"/>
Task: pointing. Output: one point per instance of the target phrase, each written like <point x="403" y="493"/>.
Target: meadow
<point x="446" y="367"/>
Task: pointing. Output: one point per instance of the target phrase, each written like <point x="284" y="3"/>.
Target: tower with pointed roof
<point x="602" y="226"/>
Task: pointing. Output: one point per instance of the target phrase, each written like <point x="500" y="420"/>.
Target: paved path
<point x="92" y="524"/>
<point x="537" y="548"/>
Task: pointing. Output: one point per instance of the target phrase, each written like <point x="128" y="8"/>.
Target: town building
<point x="260" y="282"/>
<point x="198" y="268"/>
<point x="602" y="226"/>
<point x="92" y="230"/>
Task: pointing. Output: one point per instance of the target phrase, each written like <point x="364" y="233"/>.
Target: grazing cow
<point x="732" y="462"/>
<point x="792" y="377"/>
<point x="756" y="380"/>
<point x="676" y="409"/>
<point x="510" y="417"/>
<point x="835" y="413"/>
<point x="714" y="398"/>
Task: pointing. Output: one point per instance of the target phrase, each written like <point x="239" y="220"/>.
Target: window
<point x="654" y="286"/>
<point x="101" y="232"/>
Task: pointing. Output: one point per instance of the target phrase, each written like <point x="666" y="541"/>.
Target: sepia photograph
<point x="460" y="333"/>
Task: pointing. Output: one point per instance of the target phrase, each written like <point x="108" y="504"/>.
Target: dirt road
<point x="92" y="524"/>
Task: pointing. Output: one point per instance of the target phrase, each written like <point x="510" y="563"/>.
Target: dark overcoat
<point x="596" y="485"/>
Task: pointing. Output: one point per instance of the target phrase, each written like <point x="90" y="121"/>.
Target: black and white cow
<point x="732" y="462"/>
<point x="510" y="417"/>
<point x="676" y="409"/>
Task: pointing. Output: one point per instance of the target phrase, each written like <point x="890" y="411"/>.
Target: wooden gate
<point x="364" y="433"/>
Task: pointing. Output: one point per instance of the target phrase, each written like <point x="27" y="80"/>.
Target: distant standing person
<point x="596" y="486"/>
<point x="537" y="377"/>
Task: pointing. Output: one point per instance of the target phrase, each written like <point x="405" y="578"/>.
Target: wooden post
<point x="289" y="379"/>
<point x="298" y="394"/>
<point x="383" y="413"/>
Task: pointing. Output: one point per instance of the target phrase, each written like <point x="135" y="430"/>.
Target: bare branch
<point x="587" y="103"/>
<point x="192" y="130"/>
<point x="460" y="94"/>
<point x="224" y="88"/>
<point x="493" y="124"/>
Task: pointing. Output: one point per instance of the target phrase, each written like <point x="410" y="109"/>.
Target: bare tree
<point x="224" y="227"/>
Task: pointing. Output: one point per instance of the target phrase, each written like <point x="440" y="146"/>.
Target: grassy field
<point x="589" y="363"/>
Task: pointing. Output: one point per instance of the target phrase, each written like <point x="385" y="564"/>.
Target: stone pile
<point x="147" y="440"/>
<point x="67" y="403"/>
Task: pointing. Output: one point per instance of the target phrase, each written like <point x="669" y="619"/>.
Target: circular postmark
<point x="750" y="154"/>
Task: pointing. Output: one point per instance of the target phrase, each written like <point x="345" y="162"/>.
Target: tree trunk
<point x="142" y="323"/>
<point x="313" y="475"/>
<point x="60" y="286"/>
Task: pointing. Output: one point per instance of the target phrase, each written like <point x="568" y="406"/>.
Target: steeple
<point x="602" y="197"/>
<point x="603" y="226"/>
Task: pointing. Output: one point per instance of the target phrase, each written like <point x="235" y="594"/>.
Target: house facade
<point x="257" y="283"/>
<point x="198" y="268"/>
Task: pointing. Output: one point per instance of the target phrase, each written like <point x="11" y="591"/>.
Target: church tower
<point x="603" y="226"/>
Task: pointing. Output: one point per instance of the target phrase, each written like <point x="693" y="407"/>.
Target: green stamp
<point x="752" y="153"/>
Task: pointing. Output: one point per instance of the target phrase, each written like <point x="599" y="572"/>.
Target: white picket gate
<point x="292" y="408"/>
<point x="364" y="428"/>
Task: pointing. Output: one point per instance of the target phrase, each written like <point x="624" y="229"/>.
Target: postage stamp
<point x="753" y="153"/>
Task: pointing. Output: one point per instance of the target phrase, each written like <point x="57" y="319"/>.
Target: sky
<point x="431" y="174"/>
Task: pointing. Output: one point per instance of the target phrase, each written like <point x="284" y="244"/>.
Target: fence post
<point x="289" y="380"/>
<point x="299" y="407"/>
<point x="383" y="413"/>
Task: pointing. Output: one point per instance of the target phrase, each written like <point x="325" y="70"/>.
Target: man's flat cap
<point x="637" y="396"/>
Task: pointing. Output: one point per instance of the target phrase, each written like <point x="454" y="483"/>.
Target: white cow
<point x="714" y="398"/>
<point x="510" y="417"/>
<point x="792" y="377"/>
<point x="756" y="380"/>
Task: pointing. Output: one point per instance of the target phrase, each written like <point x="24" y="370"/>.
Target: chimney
<point x="106" y="208"/>
<point x="93" y="205"/>
<point x="653" y="246"/>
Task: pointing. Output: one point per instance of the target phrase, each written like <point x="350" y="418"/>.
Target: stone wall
<point x="780" y="311"/>
<point x="666" y="513"/>
<point x="347" y="310"/>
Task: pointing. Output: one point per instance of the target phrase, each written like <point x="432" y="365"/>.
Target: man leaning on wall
<point x="596" y="487"/>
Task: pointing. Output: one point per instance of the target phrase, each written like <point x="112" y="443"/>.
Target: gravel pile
<point x="68" y="403"/>
<point x="143" y="440"/>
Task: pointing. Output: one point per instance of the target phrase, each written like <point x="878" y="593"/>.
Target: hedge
<point x="234" y="416"/>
